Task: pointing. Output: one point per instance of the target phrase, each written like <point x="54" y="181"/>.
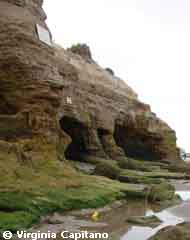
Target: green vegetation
<point x="133" y="171"/>
<point x="37" y="186"/>
<point x="129" y="163"/>
<point x="21" y="209"/>
<point x="16" y="220"/>
<point x="32" y="204"/>
<point x="153" y="177"/>
<point x="161" y="192"/>
<point x="31" y="188"/>
<point x="108" y="168"/>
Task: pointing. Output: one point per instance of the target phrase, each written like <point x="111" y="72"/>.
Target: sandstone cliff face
<point x="64" y="102"/>
<point x="30" y="89"/>
<point x="121" y="124"/>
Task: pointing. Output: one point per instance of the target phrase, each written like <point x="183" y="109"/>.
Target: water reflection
<point x="172" y="216"/>
<point x="114" y="221"/>
<point x="184" y="195"/>
<point x="141" y="233"/>
<point x="117" y="225"/>
<point x="144" y="233"/>
<point x="169" y="217"/>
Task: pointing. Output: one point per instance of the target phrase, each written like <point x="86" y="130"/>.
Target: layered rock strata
<point x="63" y="101"/>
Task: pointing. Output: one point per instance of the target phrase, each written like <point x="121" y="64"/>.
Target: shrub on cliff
<point x="81" y="49"/>
<point x="110" y="71"/>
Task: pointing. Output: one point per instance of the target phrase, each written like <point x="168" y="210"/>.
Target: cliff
<point x="59" y="105"/>
<point x="66" y="98"/>
<point x="117" y="122"/>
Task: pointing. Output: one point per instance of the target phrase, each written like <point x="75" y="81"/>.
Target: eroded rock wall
<point x="105" y="103"/>
<point x="30" y="84"/>
<point x="64" y="100"/>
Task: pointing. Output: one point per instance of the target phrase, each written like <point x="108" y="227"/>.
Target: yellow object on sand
<point x="95" y="216"/>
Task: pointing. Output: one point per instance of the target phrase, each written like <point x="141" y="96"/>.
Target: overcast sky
<point x="146" y="42"/>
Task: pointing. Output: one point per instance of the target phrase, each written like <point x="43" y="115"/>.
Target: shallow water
<point x="169" y="217"/>
<point x="184" y="195"/>
<point x="114" y="221"/>
<point x="120" y="229"/>
<point x="144" y="233"/>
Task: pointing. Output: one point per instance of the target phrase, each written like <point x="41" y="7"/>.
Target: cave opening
<point x="136" y="144"/>
<point x="79" y="135"/>
<point x="101" y="133"/>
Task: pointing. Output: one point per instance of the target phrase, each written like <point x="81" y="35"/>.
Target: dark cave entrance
<point x="135" y="144"/>
<point x="101" y="133"/>
<point x="79" y="135"/>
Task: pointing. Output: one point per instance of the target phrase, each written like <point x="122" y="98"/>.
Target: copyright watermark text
<point x="51" y="235"/>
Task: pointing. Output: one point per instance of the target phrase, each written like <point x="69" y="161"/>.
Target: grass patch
<point x="16" y="220"/>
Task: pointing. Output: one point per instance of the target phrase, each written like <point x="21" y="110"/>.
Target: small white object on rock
<point x="44" y="35"/>
<point x="69" y="100"/>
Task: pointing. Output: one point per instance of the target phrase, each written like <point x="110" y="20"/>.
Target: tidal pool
<point x="115" y="222"/>
<point x="168" y="217"/>
<point x="118" y="228"/>
<point x="144" y="233"/>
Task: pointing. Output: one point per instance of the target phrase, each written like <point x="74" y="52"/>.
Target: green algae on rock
<point x="179" y="232"/>
<point x="162" y="192"/>
<point x="151" y="221"/>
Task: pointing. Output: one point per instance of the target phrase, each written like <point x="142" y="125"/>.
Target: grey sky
<point x="146" y="42"/>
